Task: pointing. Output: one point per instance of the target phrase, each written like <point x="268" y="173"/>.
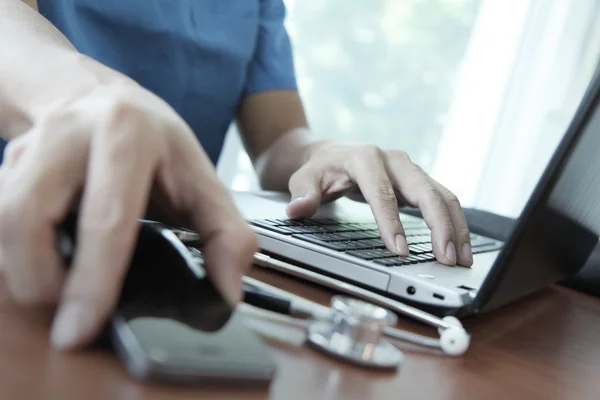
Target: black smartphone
<point x="171" y="325"/>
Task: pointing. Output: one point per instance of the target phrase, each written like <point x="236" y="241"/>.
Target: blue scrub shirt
<point x="200" y="56"/>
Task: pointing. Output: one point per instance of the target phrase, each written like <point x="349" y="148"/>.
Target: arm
<point x="275" y="132"/>
<point x="271" y="117"/>
<point x="86" y="131"/>
<point x="39" y="68"/>
<point x="276" y="135"/>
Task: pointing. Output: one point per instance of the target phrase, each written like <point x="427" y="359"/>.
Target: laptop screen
<point x="560" y="224"/>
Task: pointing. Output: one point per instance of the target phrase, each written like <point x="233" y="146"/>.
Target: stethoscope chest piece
<point x="354" y="334"/>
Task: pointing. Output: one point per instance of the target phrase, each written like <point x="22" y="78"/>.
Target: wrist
<point x="285" y="156"/>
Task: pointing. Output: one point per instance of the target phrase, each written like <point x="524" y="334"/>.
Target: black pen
<point x="261" y="298"/>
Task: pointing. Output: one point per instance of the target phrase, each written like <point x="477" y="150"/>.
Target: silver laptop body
<point x="428" y="283"/>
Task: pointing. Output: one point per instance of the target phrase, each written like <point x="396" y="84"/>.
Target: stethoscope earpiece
<point x="454" y="340"/>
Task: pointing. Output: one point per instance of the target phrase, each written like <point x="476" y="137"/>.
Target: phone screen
<point x="172" y="325"/>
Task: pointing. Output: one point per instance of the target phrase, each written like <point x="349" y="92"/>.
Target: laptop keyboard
<point x="362" y="241"/>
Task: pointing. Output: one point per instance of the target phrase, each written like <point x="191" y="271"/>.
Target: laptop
<point x="554" y="236"/>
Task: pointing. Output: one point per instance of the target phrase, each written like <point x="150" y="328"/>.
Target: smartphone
<point x="171" y="324"/>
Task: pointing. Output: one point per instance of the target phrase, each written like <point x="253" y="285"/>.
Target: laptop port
<point x="411" y="290"/>
<point x="438" y="296"/>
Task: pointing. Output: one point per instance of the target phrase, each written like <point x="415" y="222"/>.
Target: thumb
<point x="305" y="188"/>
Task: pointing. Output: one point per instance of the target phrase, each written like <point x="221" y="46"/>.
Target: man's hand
<point x="113" y="145"/>
<point x="386" y="178"/>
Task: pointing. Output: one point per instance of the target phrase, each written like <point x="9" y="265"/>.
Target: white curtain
<point x="524" y="74"/>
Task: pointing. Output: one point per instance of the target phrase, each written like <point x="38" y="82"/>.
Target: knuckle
<point x="385" y="192"/>
<point x="371" y="151"/>
<point x="416" y="170"/>
<point x="433" y="195"/>
<point x="451" y="199"/>
<point x="124" y="118"/>
<point x="128" y="128"/>
<point x="399" y="155"/>
<point x="98" y="219"/>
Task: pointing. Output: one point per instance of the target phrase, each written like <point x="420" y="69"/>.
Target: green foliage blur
<point x="381" y="71"/>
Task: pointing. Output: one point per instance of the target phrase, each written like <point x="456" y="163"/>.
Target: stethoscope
<point x="350" y="329"/>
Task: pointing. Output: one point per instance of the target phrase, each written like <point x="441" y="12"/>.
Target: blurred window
<point x="478" y="92"/>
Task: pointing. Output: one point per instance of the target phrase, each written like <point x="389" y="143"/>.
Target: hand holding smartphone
<point x="171" y="324"/>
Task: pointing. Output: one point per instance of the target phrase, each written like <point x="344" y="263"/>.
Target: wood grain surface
<point x="544" y="347"/>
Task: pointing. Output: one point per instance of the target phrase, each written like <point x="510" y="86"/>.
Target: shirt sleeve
<point x="272" y="67"/>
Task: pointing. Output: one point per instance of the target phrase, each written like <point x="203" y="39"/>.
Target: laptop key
<point x="422" y="257"/>
<point x="426" y="246"/>
<point x="413" y="258"/>
<point x="307" y="229"/>
<point x="364" y="254"/>
<point x="364" y="226"/>
<point x="416" y="249"/>
<point x="417" y="232"/>
<point x="418" y="239"/>
<point x="383" y="253"/>
<point x="358" y="235"/>
<point x="428" y="257"/>
<point x="262" y="223"/>
<point x="372" y="243"/>
<point x="325" y="221"/>
<point x="357" y="245"/>
<point x="338" y="228"/>
<point x="392" y="262"/>
<point x="337" y="246"/>
<point x="278" y="229"/>
<point x="320" y="237"/>
<point x="288" y="222"/>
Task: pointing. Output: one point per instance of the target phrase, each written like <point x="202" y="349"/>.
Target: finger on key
<point x="459" y="223"/>
<point x="120" y="172"/>
<point x="369" y="172"/>
<point x="305" y="189"/>
<point x="415" y="186"/>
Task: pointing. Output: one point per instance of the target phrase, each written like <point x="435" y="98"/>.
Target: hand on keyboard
<point x="386" y="178"/>
<point x="361" y="240"/>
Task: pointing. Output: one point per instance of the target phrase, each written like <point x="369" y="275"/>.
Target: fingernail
<point x="401" y="245"/>
<point x="451" y="252"/>
<point x="72" y="322"/>
<point x="467" y="252"/>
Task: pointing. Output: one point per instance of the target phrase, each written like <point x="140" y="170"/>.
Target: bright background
<point x="478" y="92"/>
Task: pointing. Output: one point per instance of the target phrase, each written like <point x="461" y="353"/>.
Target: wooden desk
<point x="543" y="348"/>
